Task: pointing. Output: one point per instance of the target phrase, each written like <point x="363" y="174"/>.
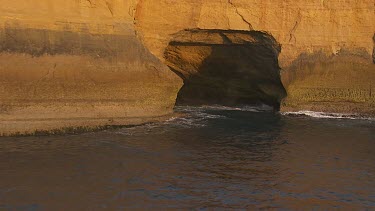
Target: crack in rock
<point x="242" y="17"/>
<point x="92" y="3"/>
<point x="132" y="8"/>
<point x="373" y="49"/>
<point x="294" y="29"/>
<point x="110" y="7"/>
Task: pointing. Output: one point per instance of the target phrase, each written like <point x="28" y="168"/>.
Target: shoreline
<point x="44" y="127"/>
<point x="47" y="127"/>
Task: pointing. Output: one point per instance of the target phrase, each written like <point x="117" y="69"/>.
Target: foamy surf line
<point x="259" y="108"/>
<point x="324" y="115"/>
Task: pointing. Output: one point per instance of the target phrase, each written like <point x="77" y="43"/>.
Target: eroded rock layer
<point x="69" y="64"/>
<point x="327" y="46"/>
<point x="226" y="67"/>
<point x="73" y="63"/>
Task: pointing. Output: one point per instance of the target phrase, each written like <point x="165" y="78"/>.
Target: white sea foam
<point x="258" y="108"/>
<point x="325" y="115"/>
<point x="195" y="116"/>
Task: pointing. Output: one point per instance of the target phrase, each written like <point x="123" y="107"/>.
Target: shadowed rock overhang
<point x="227" y="67"/>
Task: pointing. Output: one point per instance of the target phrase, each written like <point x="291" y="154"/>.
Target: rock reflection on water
<point x="212" y="158"/>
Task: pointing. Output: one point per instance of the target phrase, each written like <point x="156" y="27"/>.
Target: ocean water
<point x="211" y="158"/>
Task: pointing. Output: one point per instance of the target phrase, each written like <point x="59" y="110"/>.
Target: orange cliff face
<point x="68" y="64"/>
<point x="327" y="45"/>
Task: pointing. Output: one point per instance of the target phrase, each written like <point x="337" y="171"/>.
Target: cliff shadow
<point x="226" y="67"/>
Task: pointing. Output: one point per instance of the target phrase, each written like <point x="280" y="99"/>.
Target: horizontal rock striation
<point x="92" y="63"/>
<point x="77" y="64"/>
<point x="326" y="45"/>
<point x="341" y="83"/>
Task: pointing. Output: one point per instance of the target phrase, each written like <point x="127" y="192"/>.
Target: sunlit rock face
<point x="68" y="64"/>
<point x="226" y="67"/>
<point x="326" y="46"/>
<point x="341" y="83"/>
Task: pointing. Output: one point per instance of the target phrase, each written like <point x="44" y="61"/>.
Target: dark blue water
<point x="212" y="158"/>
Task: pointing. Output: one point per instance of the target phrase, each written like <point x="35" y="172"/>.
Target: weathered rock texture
<point x="226" y="67"/>
<point x="71" y="63"/>
<point x="326" y="44"/>
<point x="68" y="64"/>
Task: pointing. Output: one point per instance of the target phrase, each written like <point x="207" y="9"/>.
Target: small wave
<point x="187" y="122"/>
<point x="258" y="108"/>
<point x="324" y="115"/>
<point x="194" y="119"/>
<point x="196" y="116"/>
<point x="133" y="130"/>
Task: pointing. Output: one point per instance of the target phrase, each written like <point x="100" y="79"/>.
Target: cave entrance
<point x="226" y="67"/>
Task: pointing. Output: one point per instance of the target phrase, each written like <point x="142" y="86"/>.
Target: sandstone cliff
<point x="73" y="63"/>
<point x="326" y="44"/>
<point x="68" y="64"/>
